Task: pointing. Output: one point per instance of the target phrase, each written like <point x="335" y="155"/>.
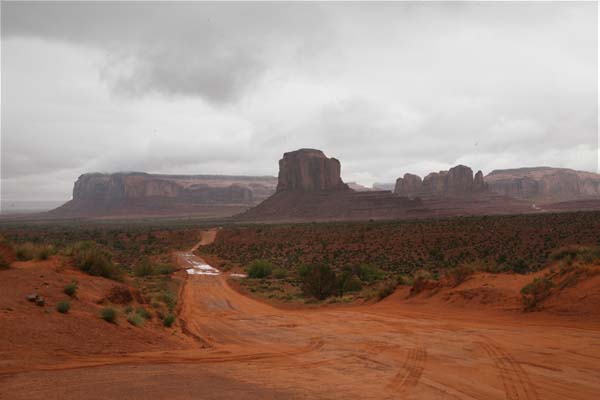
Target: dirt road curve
<point x="245" y="349"/>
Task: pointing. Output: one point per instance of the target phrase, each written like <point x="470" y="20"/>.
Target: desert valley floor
<point x="232" y="346"/>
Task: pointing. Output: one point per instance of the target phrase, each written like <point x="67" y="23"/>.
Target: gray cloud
<point x="216" y="51"/>
<point x="387" y="88"/>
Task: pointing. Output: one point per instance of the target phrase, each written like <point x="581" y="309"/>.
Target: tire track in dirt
<point x="411" y="369"/>
<point x="516" y="382"/>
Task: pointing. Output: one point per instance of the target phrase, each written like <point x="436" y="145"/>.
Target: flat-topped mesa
<point x="456" y="181"/>
<point x="545" y="184"/>
<point x="139" y="193"/>
<point x="309" y="170"/>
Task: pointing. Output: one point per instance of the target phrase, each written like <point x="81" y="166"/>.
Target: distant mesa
<point x="309" y="170"/>
<point x="138" y="193"/>
<point x="310" y="187"/>
<point x="545" y="184"/>
<point x="457" y="181"/>
<point x="384" y="186"/>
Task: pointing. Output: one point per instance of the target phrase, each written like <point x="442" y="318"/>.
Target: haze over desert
<point x="299" y="200"/>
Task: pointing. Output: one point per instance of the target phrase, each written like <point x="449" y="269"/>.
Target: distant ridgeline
<point x="141" y="193"/>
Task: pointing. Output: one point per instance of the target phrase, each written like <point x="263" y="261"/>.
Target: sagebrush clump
<point x="90" y="258"/>
<point x="63" y="307"/>
<point x="70" y="289"/>
<point x="536" y="291"/>
<point x="109" y="314"/>
<point x="260" y="269"/>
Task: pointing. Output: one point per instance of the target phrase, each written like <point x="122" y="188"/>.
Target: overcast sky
<point x="227" y="88"/>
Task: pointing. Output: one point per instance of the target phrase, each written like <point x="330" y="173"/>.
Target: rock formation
<point x="545" y="184"/>
<point x="383" y="186"/>
<point x="310" y="188"/>
<point x="136" y="192"/>
<point x="309" y="170"/>
<point x="410" y="185"/>
<point x="457" y="181"/>
<point x="479" y="184"/>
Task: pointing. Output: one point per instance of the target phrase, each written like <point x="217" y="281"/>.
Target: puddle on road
<point x="199" y="267"/>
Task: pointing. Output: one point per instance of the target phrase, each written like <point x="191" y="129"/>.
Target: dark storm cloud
<point x="216" y="51"/>
<point x="387" y="88"/>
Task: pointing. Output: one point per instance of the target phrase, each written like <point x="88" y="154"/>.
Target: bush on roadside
<point x="63" y="307"/>
<point x="109" y="314"/>
<point x="260" y="269"/>
<point x="279" y="273"/>
<point x="143" y="268"/>
<point x="317" y="280"/>
<point x="90" y="258"/>
<point x="369" y="273"/>
<point x="458" y="275"/>
<point x="135" y="319"/>
<point x="568" y="254"/>
<point x="518" y="266"/>
<point x="536" y="291"/>
<point x="347" y="282"/>
<point x="29" y="251"/>
<point x="387" y="289"/>
<point x="169" y="320"/>
<point x="164" y="269"/>
<point x="70" y="289"/>
<point x="142" y="312"/>
<point x="44" y="251"/>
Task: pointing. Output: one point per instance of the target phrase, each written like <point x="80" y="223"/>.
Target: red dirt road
<point x="247" y="349"/>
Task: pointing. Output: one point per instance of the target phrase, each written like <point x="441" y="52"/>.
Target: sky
<point x="206" y="88"/>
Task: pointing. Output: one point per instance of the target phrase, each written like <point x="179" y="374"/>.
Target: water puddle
<point x="199" y="267"/>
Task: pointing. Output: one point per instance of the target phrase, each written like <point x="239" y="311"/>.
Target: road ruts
<point x="411" y="369"/>
<point x="516" y="382"/>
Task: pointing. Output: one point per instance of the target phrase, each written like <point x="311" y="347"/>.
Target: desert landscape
<point x="435" y="306"/>
<point x="299" y="200"/>
<point x="471" y="338"/>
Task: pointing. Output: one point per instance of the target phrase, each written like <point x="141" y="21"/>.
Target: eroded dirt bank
<point x="248" y="349"/>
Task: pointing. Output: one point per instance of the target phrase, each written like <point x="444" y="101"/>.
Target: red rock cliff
<point x="309" y="170"/>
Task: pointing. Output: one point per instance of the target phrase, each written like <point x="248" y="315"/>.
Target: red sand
<point x="454" y="344"/>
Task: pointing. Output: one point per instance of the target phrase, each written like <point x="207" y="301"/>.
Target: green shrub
<point x="29" y="251"/>
<point x="279" y="273"/>
<point x="369" y="273"/>
<point x="458" y="275"/>
<point x="25" y="251"/>
<point x="63" y="307"/>
<point x="536" y="291"/>
<point x="387" y="289"/>
<point x="518" y="266"/>
<point x="43" y="252"/>
<point x="169" y="320"/>
<point x="4" y="264"/>
<point x="109" y="314"/>
<point x="568" y="254"/>
<point x="165" y="269"/>
<point x="169" y="298"/>
<point x="143" y="268"/>
<point x="317" y="280"/>
<point x="142" y="312"/>
<point x="346" y="282"/>
<point x="565" y="252"/>
<point x="90" y="258"/>
<point x="70" y="289"/>
<point x="259" y="269"/>
<point x="135" y="319"/>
